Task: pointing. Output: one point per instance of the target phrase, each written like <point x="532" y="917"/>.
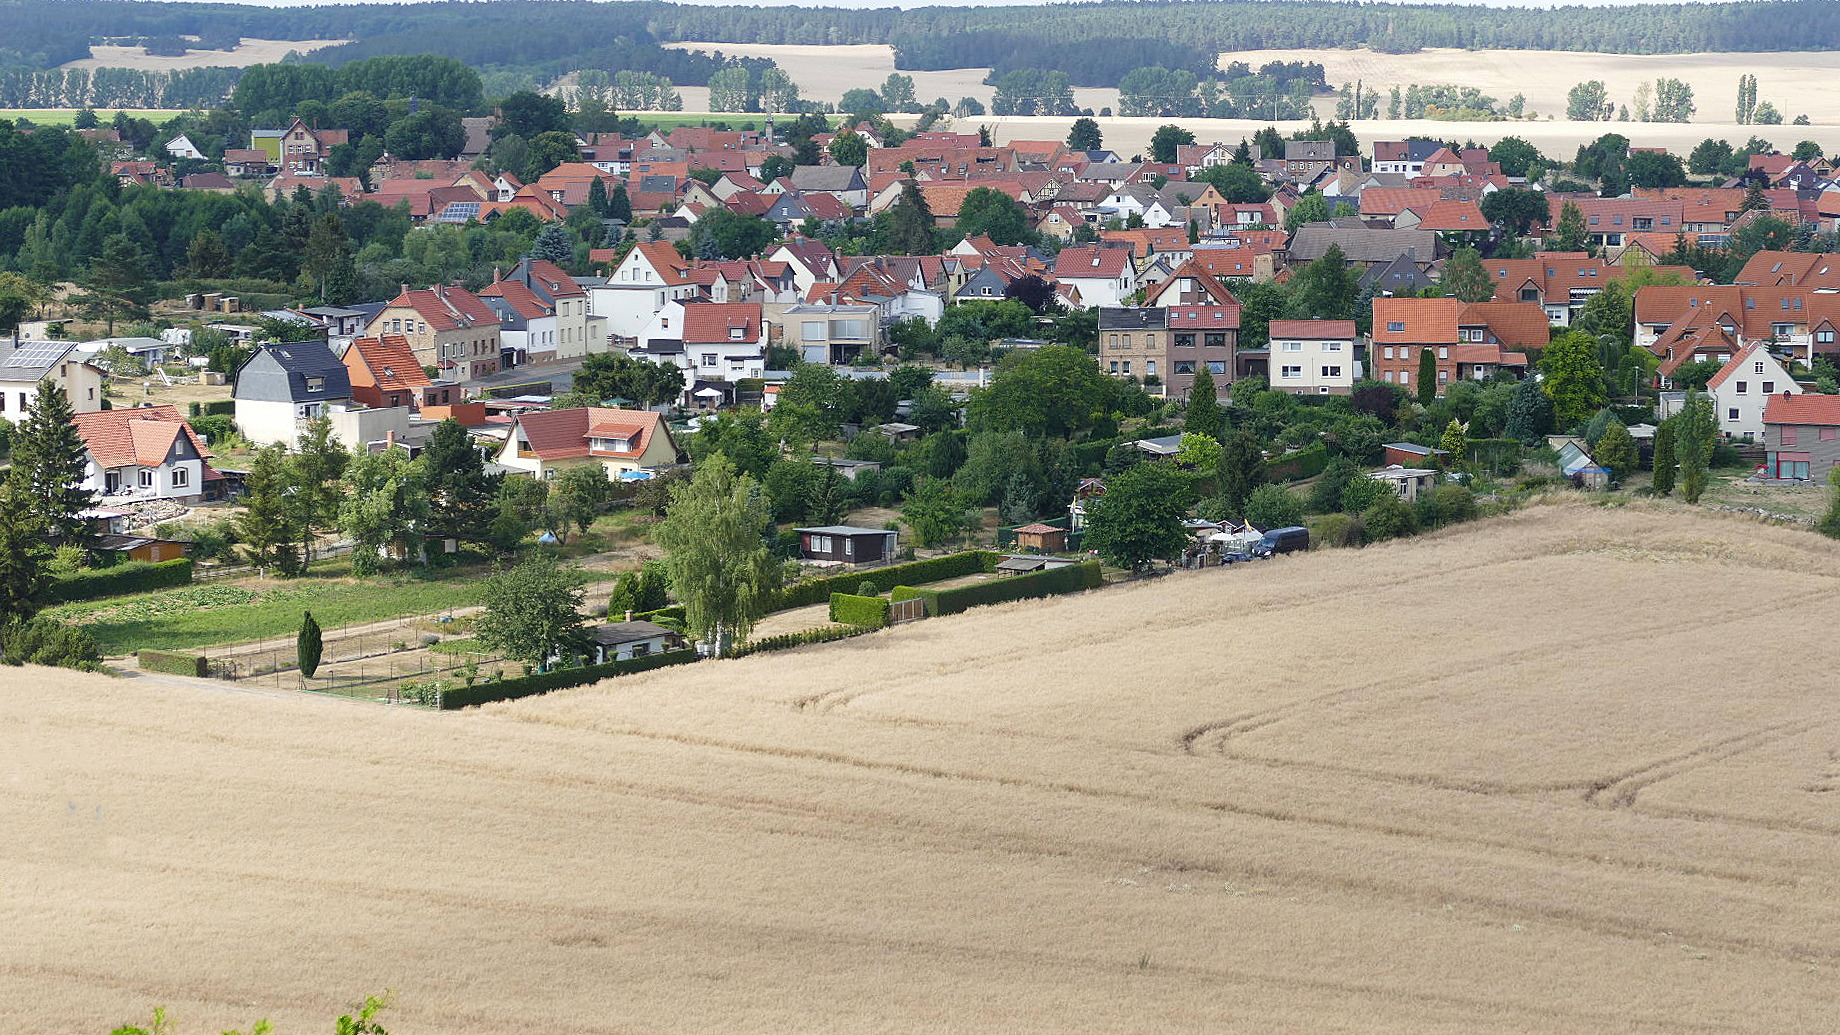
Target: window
<point x="1185" y="341"/>
<point x="1115" y="366"/>
<point x="1292" y="372"/>
<point x="1756" y="368"/>
<point x="1741" y="387"/>
<point x="1127" y="366"/>
<point x="316" y="384"/>
<point x="1395" y="325"/>
<point x="1769" y="388"/>
<point x="813" y="330"/>
<point x="1443" y="352"/>
<point x="1731" y="413"/>
<point x="1405" y="377"/>
<point x="1788" y="435"/>
<point x="1389" y="377"/>
<point x="146" y="478"/>
<point x="1443" y="376"/>
<point x="709" y="359"/>
<point x="1216" y="341"/>
<point x="1150" y="367"/>
<point x="1183" y="366"/>
<point x="1216" y="366"/>
<point x="181" y="478"/>
<point x="1293" y="346"/>
<point x="1829" y="434"/>
<point x="1389" y="352"/>
<point x="111" y="483"/>
<point x="1332" y="371"/>
<point x="1332" y="346"/>
<point x="1782" y="330"/>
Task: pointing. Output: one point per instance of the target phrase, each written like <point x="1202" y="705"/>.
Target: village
<point x="994" y="361"/>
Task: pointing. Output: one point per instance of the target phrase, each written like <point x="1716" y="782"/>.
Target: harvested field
<point x="251" y="52"/>
<point x="1572" y="770"/>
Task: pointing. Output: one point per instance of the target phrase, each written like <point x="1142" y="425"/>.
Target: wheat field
<point x="1572" y="770"/>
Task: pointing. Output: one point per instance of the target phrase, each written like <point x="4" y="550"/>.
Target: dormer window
<point x="736" y="333"/>
<point x="316" y="384"/>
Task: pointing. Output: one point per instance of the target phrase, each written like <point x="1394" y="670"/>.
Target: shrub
<point x="542" y="682"/>
<point x="1307" y="462"/>
<point x="784" y="641"/>
<point x="866" y="588"/>
<point x="46" y="641"/>
<point x="1336" y="530"/>
<point x="869" y="612"/>
<point x="1389" y="518"/>
<point x="173" y="662"/>
<point x="1272" y="506"/>
<point x="133" y="577"/>
<point x="1449" y="505"/>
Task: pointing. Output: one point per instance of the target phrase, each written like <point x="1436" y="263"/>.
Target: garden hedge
<point x="543" y="682"/>
<point x="173" y="662"/>
<point x="1307" y="462"/>
<point x="819" y="590"/>
<point x="132" y="577"/>
<point x="1054" y="581"/>
<point x="674" y="612"/>
<point x="867" y="612"/>
<point x="786" y="641"/>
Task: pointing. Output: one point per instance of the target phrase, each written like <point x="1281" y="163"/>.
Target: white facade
<point x="633" y="295"/>
<point x="1312" y="366"/>
<point x="181" y="146"/>
<point x="1742" y="389"/>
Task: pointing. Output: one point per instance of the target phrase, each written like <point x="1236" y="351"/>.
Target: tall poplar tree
<point x="720" y="568"/>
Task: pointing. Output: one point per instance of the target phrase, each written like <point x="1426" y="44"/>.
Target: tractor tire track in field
<point x="1620" y="790"/>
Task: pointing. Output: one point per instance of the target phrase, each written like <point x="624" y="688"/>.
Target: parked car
<point x="1282" y="540"/>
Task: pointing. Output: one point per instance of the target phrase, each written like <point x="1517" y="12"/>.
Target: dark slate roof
<point x="279" y="373"/>
<point x="1112" y="319"/>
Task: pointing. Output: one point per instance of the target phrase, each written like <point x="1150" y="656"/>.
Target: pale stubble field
<point x="1571" y="770"/>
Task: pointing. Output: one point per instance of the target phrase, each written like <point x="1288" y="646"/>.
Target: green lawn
<point x="206" y="614"/>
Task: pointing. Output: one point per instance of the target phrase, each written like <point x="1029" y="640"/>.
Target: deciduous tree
<point x="533" y="612"/>
<point x="1573" y="378"/>
<point x="720" y="568"/>
<point x="1139" y="519"/>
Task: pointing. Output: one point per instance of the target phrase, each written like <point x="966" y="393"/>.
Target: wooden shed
<point x="1045" y="538"/>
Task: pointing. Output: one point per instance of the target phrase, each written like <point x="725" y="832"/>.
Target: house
<point x="1561" y="282"/>
<point x="281" y="387"/>
<point x="714" y="341"/>
<point x="551" y="306"/>
<point x="305" y="150"/>
<point x="1041" y="538"/>
<point x="651" y="275"/>
<point x="843" y="182"/>
<point x="248" y="163"/>
<point x="623" y="641"/>
<point x="1410" y="454"/>
<point x="1469" y="341"/>
<point x="181" y="146"/>
<point x="450" y="328"/>
<point x="833" y="335"/>
<point x="25" y="365"/>
<point x="145" y="453"/>
<point x="1801" y="436"/>
<point x="1312" y="357"/>
<point x="1743" y="386"/>
<point x="1167" y="345"/>
<point x="846" y="544"/>
<point x="1409" y="482"/>
<point x="383" y="372"/>
<point x="621" y="442"/>
<point x="1103" y="276"/>
<point x="1406" y="157"/>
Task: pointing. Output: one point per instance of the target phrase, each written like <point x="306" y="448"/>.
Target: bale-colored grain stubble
<point x="1539" y="774"/>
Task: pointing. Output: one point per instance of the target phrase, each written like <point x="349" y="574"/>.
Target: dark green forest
<point x="1095" y="44"/>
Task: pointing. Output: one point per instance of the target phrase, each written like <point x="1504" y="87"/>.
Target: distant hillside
<point x="1095" y="44"/>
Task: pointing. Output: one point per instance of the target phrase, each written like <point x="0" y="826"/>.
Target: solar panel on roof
<point x="459" y="212"/>
<point x="35" y="354"/>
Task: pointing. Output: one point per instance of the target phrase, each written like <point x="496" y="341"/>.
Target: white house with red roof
<point x="1103" y="276"/>
<point x="1742" y="387"/>
<point x="1312" y="357"/>
<point x="620" y="442"/>
<point x="710" y="341"/>
<point x="148" y="453"/>
<point x="651" y="275"/>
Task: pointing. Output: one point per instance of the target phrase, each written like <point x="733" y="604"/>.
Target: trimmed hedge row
<point x="1307" y="462"/>
<point x="215" y="408"/>
<point x="867" y="612"/>
<point x="1054" y="581"/>
<point x="819" y="590"/>
<point x="132" y="577"/>
<point x="543" y="682"/>
<point x="173" y="662"/>
<point x="786" y="641"/>
<point x="674" y="612"/>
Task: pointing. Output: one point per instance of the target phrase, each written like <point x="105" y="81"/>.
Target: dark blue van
<point x="1282" y="540"/>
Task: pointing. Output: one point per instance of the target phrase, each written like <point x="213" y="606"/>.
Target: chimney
<point x="389" y="440"/>
<point x="629" y="614"/>
<point x="497" y="274"/>
<point x="405" y="289"/>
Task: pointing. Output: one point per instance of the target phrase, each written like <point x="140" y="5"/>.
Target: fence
<point x="906" y="611"/>
<point x="361" y="661"/>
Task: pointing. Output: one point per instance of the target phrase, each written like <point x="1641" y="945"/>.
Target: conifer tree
<point x="23" y="554"/>
<point x="1664" y="458"/>
<point x="49" y="457"/>
<point x="308" y="646"/>
<point x="1427" y="376"/>
<point x="1203" y="414"/>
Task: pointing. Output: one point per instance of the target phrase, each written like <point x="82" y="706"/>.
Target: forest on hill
<point x="1095" y="44"/>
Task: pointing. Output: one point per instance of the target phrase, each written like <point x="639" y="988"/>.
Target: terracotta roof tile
<point x="141" y="437"/>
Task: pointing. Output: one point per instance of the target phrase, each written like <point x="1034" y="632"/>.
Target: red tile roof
<point x="141" y="437"/>
<point x="712" y="322"/>
<point x="447" y="308"/>
<point x="565" y="434"/>
<point x="1092" y="263"/>
<point x="1807" y="408"/>
<point x="391" y="362"/>
<point x="1314" y="330"/>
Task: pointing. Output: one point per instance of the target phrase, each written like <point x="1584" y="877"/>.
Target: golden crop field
<point x="1572" y="770"/>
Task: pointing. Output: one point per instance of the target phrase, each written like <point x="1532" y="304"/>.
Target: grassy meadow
<point x="1573" y="770"/>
